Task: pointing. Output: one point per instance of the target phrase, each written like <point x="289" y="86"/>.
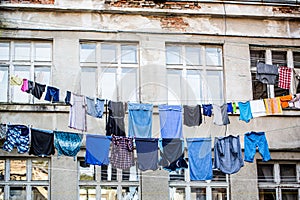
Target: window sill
<point x="17" y="107"/>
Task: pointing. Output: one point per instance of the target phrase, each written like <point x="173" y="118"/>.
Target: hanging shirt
<point x="17" y="136"/>
<point x="115" y="123"/>
<point x="192" y="115"/>
<point x="207" y="109"/>
<point x="200" y="158"/>
<point x="30" y="87"/>
<point x="122" y="152"/>
<point x="3" y="131"/>
<point x="90" y="106"/>
<point x="38" y="90"/>
<point x="170" y="117"/>
<point x="140" y="120"/>
<point x="97" y="149"/>
<point x="67" y="144"/>
<point x="258" y="108"/>
<point x="147" y="155"/>
<point x="284" y="77"/>
<point x="42" y="142"/>
<point x="273" y="106"/>
<point x="77" y="115"/>
<point x="266" y="73"/>
<point x="99" y="107"/>
<point x="245" y="111"/>
<point x="221" y="115"/>
<point x="228" y="154"/>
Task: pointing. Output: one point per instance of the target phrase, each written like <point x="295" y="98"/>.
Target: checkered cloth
<point x="122" y="152"/>
<point x="284" y="77"/>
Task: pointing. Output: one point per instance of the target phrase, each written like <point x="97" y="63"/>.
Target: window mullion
<point x="276" y="173"/>
<point x="270" y="88"/>
<point x="11" y="69"/>
<point x="208" y="192"/>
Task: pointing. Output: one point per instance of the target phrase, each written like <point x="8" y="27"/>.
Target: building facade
<point x="158" y="52"/>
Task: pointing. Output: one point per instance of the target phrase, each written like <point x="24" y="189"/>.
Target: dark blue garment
<point x="99" y="107"/>
<point x="207" y="109"/>
<point x="245" y="111"/>
<point x="68" y="98"/>
<point x="147" y="155"/>
<point x="200" y="158"/>
<point x="170" y="121"/>
<point x="97" y="149"/>
<point x="229" y="108"/>
<point x="67" y="144"/>
<point x="140" y="120"/>
<point x="42" y="142"/>
<point x="253" y="140"/>
<point x="17" y="135"/>
<point x="52" y="94"/>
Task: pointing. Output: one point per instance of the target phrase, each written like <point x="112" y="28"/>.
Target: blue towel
<point x="147" y="156"/>
<point x="245" y="111"/>
<point x="67" y="144"/>
<point x="170" y="117"/>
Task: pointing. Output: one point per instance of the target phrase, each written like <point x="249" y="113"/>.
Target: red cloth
<point x="285" y="77"/>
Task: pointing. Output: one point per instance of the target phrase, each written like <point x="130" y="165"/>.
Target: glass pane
<point x="288" y="173"/>
<point x="87" y="193"/>
<point x="42" y="52"/>
<point x="128" y="86"/>
<point x="214" y="81"/>
<point x="40" y="169"/>
<point x="177" y="193"/>
<point x="86" y="171"/>
<point x="218" y="176"/>
<point x="18" y="95"/>
<point x="39" y="193"/>
<point x="265" y="172"/>
<point x="193" y="86"/>
<point x="87" y="52"/>
<point x="18" y="170"/>
<point x="177" y="175"/>
<point x="22" y="51"/>
<point x="108" y="173"/>
<point x="1" y="193"/>
<point x="259" y="89"/>
<point x="289" y="194"/>
<point x="173" y="55"/>
<point x="88" y="81"/>
<point x="174" y="87"/>
<point x="4" y="51"/>
<point x="279" y="58"/>
<point x="267" y="194"/>
<point x="198" y="193"/>
<point x="296" y="57"/>
<point x="193" y="55"/>
<point x="213" y="56"/>
<point x="219" y="194"/>
<point x="130" y="193"/>
<point x="257" y="55"/>
<point x="109" y="53"/>
<point x="130" y="174"/>
<point x="2" y="170"/>
<point x="42" y="75"/>
<point x="128" y="54"/>
<point x="108" y="84"/>
<point x="17" y="193"/>
<point x="109" y="193"/>
<point x="3" y="83"/>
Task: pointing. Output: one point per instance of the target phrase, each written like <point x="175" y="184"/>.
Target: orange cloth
<point x="273" y="106"/>
<point x="284" y="100"/>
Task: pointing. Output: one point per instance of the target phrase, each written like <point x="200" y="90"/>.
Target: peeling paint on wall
<point x="287" y="9"/>
<point x="32" y="1"/>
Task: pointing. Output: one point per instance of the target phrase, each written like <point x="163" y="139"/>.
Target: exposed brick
<point x="287" y="9"/>
<point x="172" y="23"/>
<point x="32" y="1"/>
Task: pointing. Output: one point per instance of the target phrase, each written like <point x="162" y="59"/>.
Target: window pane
<point x="173" y="55"/>
<point x="128" y="54"/>
<point x="289" y="194"/>
<point x="109" y="53"/>
<point x="177" y="193"/>
<point x="1" y="193"/>
<point x="296" y="57"/>
<point x="109" y="193"/>
<point x="39" y="193"/>
<point x="42" y="52"/>
<point x="22" y="51"/>
<point x="87" y="52"/>
<point x="3" y="83"/>
<point x="259" y="89"/>
<point x="42" y="75"/>
<point x="4" y="51"/>
<point x="177" y="175"/>
<point x="174" y="87"/>
<point x="86" y="171"/>
<point x="87" y="193"/>
<point x="130" y="193"/>
<point x="214" y="81"/>
<point x="108" y="84"/>
<point x="2" y="170"/>
<point x="213" y="56"/>
<point x="88" y="81"/>
<point x="18" y="170"/>
<point x="279" y="58"/>
<point x="257" y="55"/>
<point x="193" y="55"/>
<point x="193" y="86"/>
<point x="128" y="84"/>
<point x="198" y="193"/>
<point x="40" y="169"/>
<point x="265" y="172"/>
<point x="288" y="172"/>
<point x="267" y="194"/>
<point x="17" y="192"/>
<point x="108" y="173"/>
<point x="219" y="193"/>
<point x="218" y="176"/>
<point x="18" y="95"/>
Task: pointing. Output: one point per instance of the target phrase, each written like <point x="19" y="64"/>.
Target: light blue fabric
<point x="67" y="144"/>
<point x="200" y="159"/>
<point x="245" y="111"/>
<point x="253" y="140"/>
<point x="97" y="149"/>
<point x="170" y="117"/>
<point x="140" y="120"/>
<point x="99" y="107"/>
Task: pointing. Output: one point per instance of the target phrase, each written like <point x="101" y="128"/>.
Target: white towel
<point x="258" y="108"/>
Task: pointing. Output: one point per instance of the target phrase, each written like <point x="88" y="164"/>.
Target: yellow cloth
<point x="14" y="80"/>
<point x="273" y="106"/>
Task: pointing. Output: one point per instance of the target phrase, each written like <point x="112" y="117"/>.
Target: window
<point x="194" y="74"/>
<point x="20" y="176"/>
<point x="24" y="59"/>
<point x="109" y="70"/>
<point x="278" y="180"/>
<point x="105" y="182"/>
<point x="275" y="56"/>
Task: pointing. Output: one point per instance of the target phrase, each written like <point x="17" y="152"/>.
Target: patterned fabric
<point x="67" y="144"/>
<point x="17" y="135"/>
<point x="285" y="77"/>
<point x="3" y="130"/>
<point x="122" y="152"/>
<point x="273" y="106"/>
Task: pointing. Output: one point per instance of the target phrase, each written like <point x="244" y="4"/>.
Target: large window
<point x="109" y="70"/>
<point x="107" y="183"/>
<point x="195" y="74"/>
<point x="22" y="178"/>
<point x="23" y="59"/>
<point x="278" y="180"/>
